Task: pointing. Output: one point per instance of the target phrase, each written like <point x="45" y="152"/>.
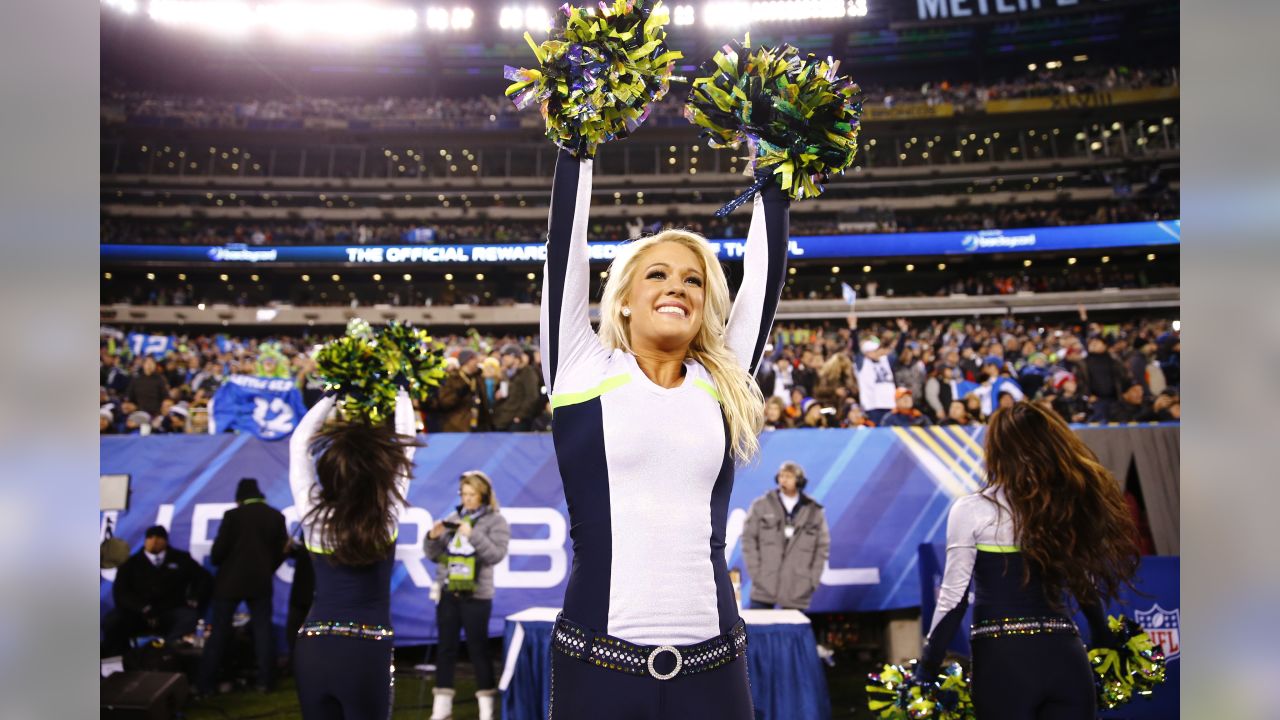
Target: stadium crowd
<point x="474" y="112"/>
<point x="499" y="290"/>
<point x="814" y="375"/>
<point x="114" y="230"/>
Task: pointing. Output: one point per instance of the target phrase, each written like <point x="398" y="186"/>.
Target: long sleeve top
<point x="647" y="470"/>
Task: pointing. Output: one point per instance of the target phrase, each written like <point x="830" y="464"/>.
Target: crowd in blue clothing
<point x="960" y="372"/>
<point x="815" y="374"/>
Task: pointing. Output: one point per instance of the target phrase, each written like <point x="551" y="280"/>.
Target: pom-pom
<point x="1134" y="667"/>
<point x="895" y="694"/>
<point x="800" y="118"/>
<point x="368" y="368"/>
<point x="598" y="74"/>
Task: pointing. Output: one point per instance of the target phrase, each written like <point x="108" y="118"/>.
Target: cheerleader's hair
<point x="740" y="396"/>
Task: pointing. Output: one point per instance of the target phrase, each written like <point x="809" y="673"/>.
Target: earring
<point x="626" y="312"/>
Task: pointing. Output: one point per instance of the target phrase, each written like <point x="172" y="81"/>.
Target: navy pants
<point x="582" y="691"/>
<point x="1032" y="677"/>
<point x="220" y="630"/>
<point x="456" y="612"/>
<point x="343" y="678"/>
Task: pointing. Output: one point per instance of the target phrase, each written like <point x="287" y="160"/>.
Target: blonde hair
<point x="478" y="481"/>
<point x="740" y="397"/>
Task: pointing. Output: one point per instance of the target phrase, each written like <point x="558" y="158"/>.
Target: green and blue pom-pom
<point x="894" y="694"/>
<point x="798" y="115"/>
<point x="1131" y="669"/>
<point x="598" y="74"/>
<point x="367" y="368"/>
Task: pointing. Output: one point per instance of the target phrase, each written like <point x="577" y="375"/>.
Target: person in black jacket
<point x="159" y="590"/>
<point x="148" y="389"/>
<point x="249" y="547"/>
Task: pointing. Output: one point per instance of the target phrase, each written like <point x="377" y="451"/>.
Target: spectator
<point x="1071" y="406"/>
<point x="812" y="414"/>
<point x="854" y="418"/>
<point x="160" y="590"/>
<point x="1032" y="375"/>
<point x="958" y="415"/>
<point x="875" y="366"/>
<point x="518" y="402"/>
<point x="775" y="414"/>
<point x="997" y="381"/>
<point x="249" y="546"/>
<point x="149" y="389"/>
<point x="836" y="373"/>
<point x="785" y="543"/>
<point x="106" y="421"/>
<point x="460" y="402"/>
<point x="1133" y="407"/>
<point x="904" y="412"/>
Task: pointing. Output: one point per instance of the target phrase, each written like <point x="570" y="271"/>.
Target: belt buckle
<point x="659" y="650"/>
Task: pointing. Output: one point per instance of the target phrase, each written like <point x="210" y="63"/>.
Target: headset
<point x="794" y="467"/>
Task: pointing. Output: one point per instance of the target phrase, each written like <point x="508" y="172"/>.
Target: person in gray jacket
<point x="785" y="543"/>
<point x="466" y="545"/>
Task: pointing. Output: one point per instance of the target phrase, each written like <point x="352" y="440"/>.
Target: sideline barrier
<point x="886" y="491"/>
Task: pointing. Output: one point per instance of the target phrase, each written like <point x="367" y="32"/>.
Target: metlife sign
<point x="809" y="247"/>
<point x="962" y="9"/>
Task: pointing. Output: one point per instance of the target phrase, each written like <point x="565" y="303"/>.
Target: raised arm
<point x="566" y="278"/>
<point x="302" y="472"/>
<point x="953" y="597"/>
<point x="408" y="426"/>
<point x="764" y="270"/>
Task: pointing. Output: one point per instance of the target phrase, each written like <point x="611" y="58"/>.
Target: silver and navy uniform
<point x="343" y="593"/>
<point x="647" y="470"/>
<point x="1027" y="653"/>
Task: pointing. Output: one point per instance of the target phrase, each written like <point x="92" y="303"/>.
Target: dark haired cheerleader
<point x="349" y="481"/>
<point x="1052" y="523"/>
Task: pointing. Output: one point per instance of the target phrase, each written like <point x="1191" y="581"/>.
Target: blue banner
<point x="156" y="346"/>
<point x="886" y="491"/>
<point x="267" y="408"/>
<point x="812" y="247"/>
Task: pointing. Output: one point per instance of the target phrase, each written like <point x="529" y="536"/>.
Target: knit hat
<point x="899" y="392"/>
<point x="806" y="404"/>
<point x="870" y="345"/>
<point x="247" y="489"/>
<point x="466" y="355"/>
<point x="1061" y="378"/>
<point x="512" y="349"/>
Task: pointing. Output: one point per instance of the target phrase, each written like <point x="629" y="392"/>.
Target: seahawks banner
<point x="267" y="408"/>
<point x="156" y="346"/>
<point x="885" y="492"/>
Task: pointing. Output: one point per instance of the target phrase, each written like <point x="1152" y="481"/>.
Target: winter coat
<point x="490" y="535"/>
<point x="523" y="394"/>
<point x="454" y="401"/>
<point x="785" y="572"/>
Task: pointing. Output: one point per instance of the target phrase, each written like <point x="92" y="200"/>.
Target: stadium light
<point x="736" y="14"/>
<point x="220" y="17"/>
<point x="532" y="18"/>
<point x="339" y="21"/>
<point x="437" y="18"/>
<point x="461" y="18"/>
<point x="682" y="15"/>
<point x="127" y="7"/>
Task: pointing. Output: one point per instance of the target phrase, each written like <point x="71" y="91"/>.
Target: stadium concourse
<point x="273" y="178"/>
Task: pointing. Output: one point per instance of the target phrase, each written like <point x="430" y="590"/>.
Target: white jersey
<point x="875" y="383"/>
<point x="647" y="470"/>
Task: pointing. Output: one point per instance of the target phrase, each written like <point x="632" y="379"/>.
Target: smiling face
<point x="666" y="298"/>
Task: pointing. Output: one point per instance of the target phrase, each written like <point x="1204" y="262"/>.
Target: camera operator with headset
<point x="785" y="543"/>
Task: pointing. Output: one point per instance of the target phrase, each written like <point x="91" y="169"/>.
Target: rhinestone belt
<point x="1005" y="627"/>
<point x="318" y="628"/>
<point x="614" y="653"/>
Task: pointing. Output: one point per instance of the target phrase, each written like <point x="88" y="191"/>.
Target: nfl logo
<point x="1162" y="627"/>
